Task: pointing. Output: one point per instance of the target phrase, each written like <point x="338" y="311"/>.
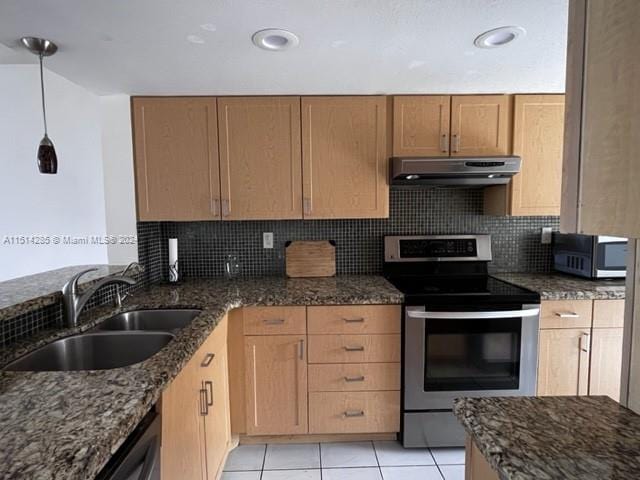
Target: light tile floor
<point x="343" y="461"/>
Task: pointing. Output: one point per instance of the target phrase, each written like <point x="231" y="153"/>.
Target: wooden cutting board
<point x="310" y="258"/>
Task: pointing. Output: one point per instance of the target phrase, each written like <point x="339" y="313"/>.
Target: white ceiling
<point x="346" y="46"/>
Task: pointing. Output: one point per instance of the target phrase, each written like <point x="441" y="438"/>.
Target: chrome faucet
<point x="119" y="296"/>
<point x="74" y="300"/>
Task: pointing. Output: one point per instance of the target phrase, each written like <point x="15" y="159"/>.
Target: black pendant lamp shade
<point x="47" y="158"/>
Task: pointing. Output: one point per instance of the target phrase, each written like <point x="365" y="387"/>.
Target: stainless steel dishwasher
<point x="139" y="456"/>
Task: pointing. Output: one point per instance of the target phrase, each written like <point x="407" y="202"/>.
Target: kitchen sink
<point x="93" y="351"/>
<point x="158" y="320"/>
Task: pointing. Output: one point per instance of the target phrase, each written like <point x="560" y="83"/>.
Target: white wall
<point x="69" y="203"/>
<point x="119" y="189"/>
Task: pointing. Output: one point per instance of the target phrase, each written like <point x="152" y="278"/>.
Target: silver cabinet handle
<point x="355" y="348"/>
<point x="273" y="321"/>
<point x="456" y="143"/>
<point x="208" y="358"/>
<point x="209" y="392"/>
<point x="529" y="312"/>
<point x="215" y="206"/>
<point x="354" y="320"/>
<point x="204" y="408"/>
<point x="354" y="413"/>
<point x="354" y="379"/>
<point x="567" y="314"/>
<point x="444" y="143"/>
<point x="301" y="349"/>
<point x="585" y="341"/>
<point x="226" y="209"/>
<point x="306" y="205"/>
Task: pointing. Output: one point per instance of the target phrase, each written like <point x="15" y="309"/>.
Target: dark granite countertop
<point x="24" y="294"/>
<point x="557" y="286"/>
<point x="549" y="438"/>
<point x="66" y="425"/>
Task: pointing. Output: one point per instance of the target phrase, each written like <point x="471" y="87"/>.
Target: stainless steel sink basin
<point x="158" y="320"/>
<point x="93" y="351"/>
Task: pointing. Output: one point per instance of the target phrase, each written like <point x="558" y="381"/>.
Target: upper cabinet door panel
<point x="345" y="157"/>
<point x="260" y="158"/>
<point x="537" y="138"/>
<point x="421" y="125"/>
<point x="176" y="158"/>
<point x="480" y="125"/>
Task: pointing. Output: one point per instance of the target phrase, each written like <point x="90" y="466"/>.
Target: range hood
<point x="454" y="171"/>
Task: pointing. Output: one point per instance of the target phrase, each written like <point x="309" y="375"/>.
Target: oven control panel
<point x="438" y="248"/>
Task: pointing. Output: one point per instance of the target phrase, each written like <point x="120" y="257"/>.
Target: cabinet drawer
<point x="274" y="320"/>
<point x="354" y="377"/>
<point x="566" y="314"/>
<point x="354" y="319"/>
<point x="354" y="348"/>
<point x="608" y="314"/>
<point x="354" y="412"/>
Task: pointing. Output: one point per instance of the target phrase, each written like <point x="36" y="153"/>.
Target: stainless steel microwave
<point x="590" y="256"/>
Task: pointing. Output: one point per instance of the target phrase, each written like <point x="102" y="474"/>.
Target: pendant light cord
<point x="44" y="112"/>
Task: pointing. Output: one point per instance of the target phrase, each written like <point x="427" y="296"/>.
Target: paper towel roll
<point x="173" y="259"/>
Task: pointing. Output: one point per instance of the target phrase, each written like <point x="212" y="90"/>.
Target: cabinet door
<point x="276" y="384"/>
<point x="537" y="138"/>
<point x="480" y="125"/>
<point x="345" y="157"/>
<point x="217" y="421"/>
<point x="421" y="125"/>
<point x="606" y="362"/>
<point x="563" y="364"/>
<point x="183" y="446"/>
<point x="260" y="158"/>
<point x="176" y="158"/>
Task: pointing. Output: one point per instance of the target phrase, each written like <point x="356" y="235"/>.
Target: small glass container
<point x="231" y="266"/>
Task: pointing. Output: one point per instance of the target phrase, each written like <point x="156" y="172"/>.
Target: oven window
<point x="474" y="354"/>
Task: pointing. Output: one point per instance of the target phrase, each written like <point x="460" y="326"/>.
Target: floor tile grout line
<point x="375" y="452"/>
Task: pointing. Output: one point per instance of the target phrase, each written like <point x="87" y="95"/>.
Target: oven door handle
<point x="528" y="312"/>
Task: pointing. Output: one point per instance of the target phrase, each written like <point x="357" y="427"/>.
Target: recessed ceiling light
<point x="275" y="39"/>
<point x="208" y="27"/>
<point x="499" y="37"/>
<point x="195" y="39"/>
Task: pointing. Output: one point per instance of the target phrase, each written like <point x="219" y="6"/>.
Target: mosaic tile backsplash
<point x="203" y="246"/>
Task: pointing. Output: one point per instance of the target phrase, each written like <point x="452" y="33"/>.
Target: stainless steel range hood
<point x="454" y="171"/>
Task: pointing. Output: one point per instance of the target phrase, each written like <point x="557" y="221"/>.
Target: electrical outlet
<point x="267" y="240"/>
<point x="546" y="235"/>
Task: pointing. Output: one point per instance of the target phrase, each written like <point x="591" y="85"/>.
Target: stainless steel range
<point x="464" y="332"/>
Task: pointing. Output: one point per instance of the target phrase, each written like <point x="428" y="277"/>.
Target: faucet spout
<point x="74" y="301"/>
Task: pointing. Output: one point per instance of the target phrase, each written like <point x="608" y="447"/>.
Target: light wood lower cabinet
<point x="196" y="432"/>
<point x="563" y="365"/>
<point x="276" y="384"/>
<point x="354" y="377"/>
<point x="354" y="348"/>
<point x="354" y="412"/>
<point x="581" y="347"/>
<point x="476" y="466"/>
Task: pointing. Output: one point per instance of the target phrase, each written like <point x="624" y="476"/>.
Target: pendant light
<point x="47" y="158"/>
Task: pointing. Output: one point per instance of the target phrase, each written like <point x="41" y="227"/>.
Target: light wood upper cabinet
<point x="260" y="158"/>
<point x="563" y="363"/>
<point x="276" y="384"/>
<point x="345" y="157"/>
<point x="421" y="125"/>
<point x="480" y="125"/>
<point x="538" y="134"/>
<point x="176" y="158"/>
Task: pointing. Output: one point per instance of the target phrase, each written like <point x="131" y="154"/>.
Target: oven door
<point x="470" y="352"/>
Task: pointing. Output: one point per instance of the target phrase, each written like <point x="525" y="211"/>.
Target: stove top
<point x="458" y="290"/>
<point x="448" y="270"/>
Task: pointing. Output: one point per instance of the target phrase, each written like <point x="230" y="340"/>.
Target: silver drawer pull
<point x="354" y="379"/>
<point x="208" y="358"/>
<point x="354" y="320"/>
<point x="354" y="413"/>
<point x="567" y="314"/>
<point x="354" y="348"/>
<point x="273" y="321"/>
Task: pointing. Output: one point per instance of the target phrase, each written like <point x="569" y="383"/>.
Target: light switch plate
<point x="546" y="235"/>
<point x="267" y="240"/>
